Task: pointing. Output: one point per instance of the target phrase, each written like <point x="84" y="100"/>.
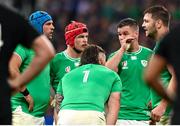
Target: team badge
<point x="124" y="63"/>
<point x="68" y="69"/>
<point x="144" y="63"/>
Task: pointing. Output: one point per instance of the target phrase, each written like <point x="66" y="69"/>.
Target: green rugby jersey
<point x="135" y="92"/>
<point x="88" y="87"/>
<point x="60" y="65"/>
<point x="39" y="87"/>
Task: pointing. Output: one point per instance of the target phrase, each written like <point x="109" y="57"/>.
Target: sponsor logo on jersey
<point x="124" y="65"/>
<point x="144" y="62"/>
<point x="133" y="58"/>
<point x="68" y="69"/>
<point x="76" y="64"/>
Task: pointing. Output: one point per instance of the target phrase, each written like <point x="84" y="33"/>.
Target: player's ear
<point x="136" y="34"/>
<point x="101" y="59"/>
<point x="158" y="23"/>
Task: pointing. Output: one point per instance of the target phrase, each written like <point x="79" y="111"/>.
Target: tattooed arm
<point x="58" y="99"/>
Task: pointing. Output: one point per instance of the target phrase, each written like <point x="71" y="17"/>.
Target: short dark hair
<point x="159" y="12"/>
<point x="128" y="22"/>
<point x="91" y="55"/>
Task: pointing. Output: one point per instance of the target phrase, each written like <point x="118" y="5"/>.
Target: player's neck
<point x="161" y="33"/>
<point x="71" y="53"/>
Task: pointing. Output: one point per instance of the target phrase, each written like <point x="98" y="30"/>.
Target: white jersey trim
<point x="137" y="52"/>
<point x="18" y="55"/>
<point x="70" y="58"/>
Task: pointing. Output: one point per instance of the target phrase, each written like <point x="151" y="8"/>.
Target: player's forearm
<point x="172" y="87"/>
<point x="55" y="116"/>
<point x="58" y="102"/>
<point x="113" y="108"/>
<point x="112" y="115"/>
<point x="115" y="60"/>
<point x="111" y="118"/>
<point x="14" y="65"/>
<point x="13" y="72"/>
<point x="163" y="104"/>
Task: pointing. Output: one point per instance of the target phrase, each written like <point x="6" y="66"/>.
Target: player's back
<point x="88" y="87"/>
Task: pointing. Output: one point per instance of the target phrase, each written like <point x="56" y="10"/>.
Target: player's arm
<point x="152" y="75"/>
<point x="114" y="61"/>
<point x="44" y="52"/>
<point x="58" y="99"/>
<point x="14" y="65"/>
<point x="159" y="110"/>
<point x="113" y="106"/>
<point x="172" y="83"/>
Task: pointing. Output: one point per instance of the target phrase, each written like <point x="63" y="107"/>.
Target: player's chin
<point x="147" y="33"/>
<point x="50" y="36"/>
<point x="83" y="48"/>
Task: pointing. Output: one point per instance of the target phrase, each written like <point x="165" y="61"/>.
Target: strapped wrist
<point x="25" y="92"/>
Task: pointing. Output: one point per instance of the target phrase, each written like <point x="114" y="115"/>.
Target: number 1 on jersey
<point x="86" y="75"/>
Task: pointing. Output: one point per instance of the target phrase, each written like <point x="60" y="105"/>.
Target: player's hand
<point x="126" y="43"/>
<point x="123" y="47"/>
<point x="157" y="112"/>
<point x="30" y="102"/>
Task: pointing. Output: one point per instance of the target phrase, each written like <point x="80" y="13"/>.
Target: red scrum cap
<point x="72" y="30"/>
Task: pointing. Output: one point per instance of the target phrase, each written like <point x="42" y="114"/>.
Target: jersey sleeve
<point x="21" y="52"/>
<point x="117" y="85"/>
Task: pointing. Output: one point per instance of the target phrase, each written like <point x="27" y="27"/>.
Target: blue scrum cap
<point x="38" y="18"/>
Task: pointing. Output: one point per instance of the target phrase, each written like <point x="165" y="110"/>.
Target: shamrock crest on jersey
<point x="144" y="62"/>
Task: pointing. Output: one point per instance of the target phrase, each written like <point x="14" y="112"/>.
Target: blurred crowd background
<point x="101" y="17"/>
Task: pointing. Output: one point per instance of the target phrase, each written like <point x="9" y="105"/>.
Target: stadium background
<point x="101" y="17"/>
